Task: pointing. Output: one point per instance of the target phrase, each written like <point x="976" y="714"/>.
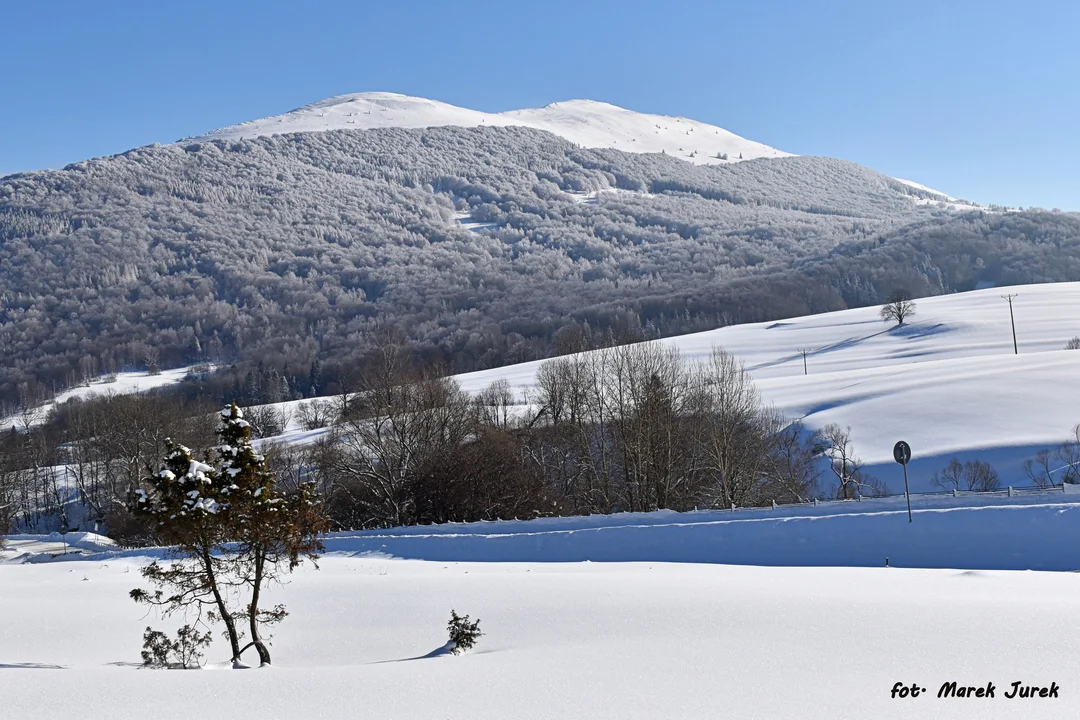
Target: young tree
<point x="845" y="464"/>
<point x="463" y="633"/>
<point x="1039" y="470"/>
<point x="232" y="531"/>
<point x="899" y="307"/>
<point x="274" y="532"/>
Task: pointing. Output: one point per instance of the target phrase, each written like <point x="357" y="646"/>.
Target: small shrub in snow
<point x="159" y="651"/>
<point x="1073" y="344"/>
<point x="156" y="647"/>
<point x="463" y="634"/>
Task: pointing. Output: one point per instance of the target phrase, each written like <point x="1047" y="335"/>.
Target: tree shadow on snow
<point x="824" y="349"/>
<point x="31" y="666"/>
<point x="437" y="652"/>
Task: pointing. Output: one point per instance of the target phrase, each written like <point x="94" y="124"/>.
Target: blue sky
<point x="978" y="99"/>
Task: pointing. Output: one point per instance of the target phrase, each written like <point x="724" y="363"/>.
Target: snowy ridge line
<point x="586" y="123"/>
<point x="921" y="502"/>
<point x="380" y="535"/>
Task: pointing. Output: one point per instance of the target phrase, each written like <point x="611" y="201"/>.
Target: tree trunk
<point x="253" y="610"/>
<point x="223" y="610"/>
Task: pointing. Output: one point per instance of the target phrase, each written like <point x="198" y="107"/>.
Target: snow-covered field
<point x="639" y="640"/>
<point x="947" y="382"/>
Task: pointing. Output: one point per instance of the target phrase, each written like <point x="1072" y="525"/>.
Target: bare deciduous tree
<point x="315" y="414"/>
<point x="898" y="308"/>
<point x="495" y="404"/>
<point x="973" y="475"/>
<point x="846" y="464"/>
<point x="737" y="431"/>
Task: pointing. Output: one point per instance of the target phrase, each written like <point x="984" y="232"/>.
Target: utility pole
<point x="1012" y="320"/>
<point x="804" y="351"/>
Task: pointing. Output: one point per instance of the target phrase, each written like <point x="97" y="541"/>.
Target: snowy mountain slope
<point x="587" y="123"/>
<point x="584" y="122"/>
<point x="940" y="199"/>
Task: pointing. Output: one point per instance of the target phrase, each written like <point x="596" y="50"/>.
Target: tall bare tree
<point x="738" y="431"/>
<point x="846" y="464"/>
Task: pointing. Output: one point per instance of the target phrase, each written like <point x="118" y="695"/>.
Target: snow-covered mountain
<point x="584" y="122"/>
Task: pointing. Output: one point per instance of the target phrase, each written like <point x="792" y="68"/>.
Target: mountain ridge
<point x="587" y="123"/>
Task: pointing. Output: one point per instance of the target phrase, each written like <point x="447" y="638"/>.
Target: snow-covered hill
<point x="947" y="382"/>
<point x="584" y="122"/>
<point x="125" y="383"/>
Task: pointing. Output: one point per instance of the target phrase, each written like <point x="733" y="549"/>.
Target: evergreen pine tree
<point x="233" y="533"/>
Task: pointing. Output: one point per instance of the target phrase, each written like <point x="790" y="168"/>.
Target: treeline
<point x="627" y="428"/>
<point x="83" y="467"/>
<point x="623" y="428"/>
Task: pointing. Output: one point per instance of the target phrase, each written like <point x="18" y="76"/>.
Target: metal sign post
<point x="901" y="453"/>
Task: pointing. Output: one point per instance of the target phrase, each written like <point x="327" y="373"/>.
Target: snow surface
<point x="28" y="548"/>
<point x="1030" y="531"/>
<point x="586" y="123"/>
<point x="944" y="200"/>
<point x="633" y="641"/>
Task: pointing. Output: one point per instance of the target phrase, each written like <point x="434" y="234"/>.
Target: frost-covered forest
<point x="480" y="243"/>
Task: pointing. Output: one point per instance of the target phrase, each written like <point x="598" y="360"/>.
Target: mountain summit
<point x="586" y="123"/>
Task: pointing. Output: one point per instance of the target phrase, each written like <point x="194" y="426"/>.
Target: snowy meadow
<point x="602" y="640"/>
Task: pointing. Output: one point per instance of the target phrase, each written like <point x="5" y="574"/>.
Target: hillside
<point x="480" y="242"/>
<point x="947" y="382"/>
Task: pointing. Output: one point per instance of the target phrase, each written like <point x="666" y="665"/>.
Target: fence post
<point x="815" y="502"/>
<point x="774" y="504"/>
<point x="954" y="492"/>
<point x="732" y="507"/>
<point x="1010" y="491"/>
